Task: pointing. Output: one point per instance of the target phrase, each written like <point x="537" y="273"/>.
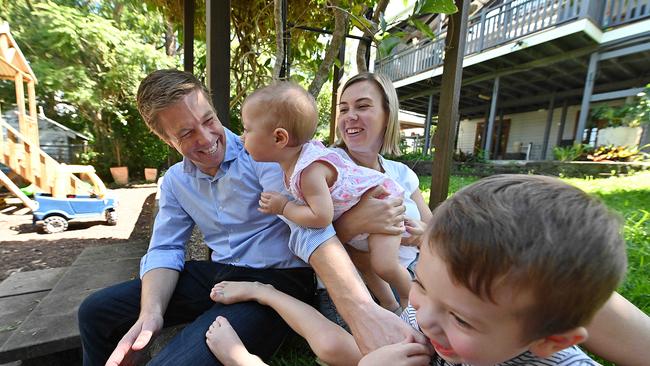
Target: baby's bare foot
<point x="226" y="345"/>
<point x="228" y="292"/>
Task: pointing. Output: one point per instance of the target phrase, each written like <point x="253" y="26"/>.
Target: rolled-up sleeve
<point x="172" y="228"/>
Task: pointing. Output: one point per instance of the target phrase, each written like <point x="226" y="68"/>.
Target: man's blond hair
<point x="162" y="88"/>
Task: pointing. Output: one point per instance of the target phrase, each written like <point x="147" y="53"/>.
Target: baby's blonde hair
<point x="287" y="105"/>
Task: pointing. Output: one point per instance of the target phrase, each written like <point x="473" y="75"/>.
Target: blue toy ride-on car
<point x="56" y="212"/>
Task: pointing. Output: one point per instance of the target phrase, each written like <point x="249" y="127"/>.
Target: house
<point x="532" y="71"/>
<point x="58" y="141"/>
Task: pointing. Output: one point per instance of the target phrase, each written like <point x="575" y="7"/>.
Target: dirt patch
<point x="25" y="247"/>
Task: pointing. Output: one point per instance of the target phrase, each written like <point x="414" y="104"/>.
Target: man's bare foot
<point x="230" y="292"/>
<point x="226" y="345"/>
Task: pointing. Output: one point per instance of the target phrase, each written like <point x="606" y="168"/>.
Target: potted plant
<point x="150" y="174"/>
<point x="120" y="173"/>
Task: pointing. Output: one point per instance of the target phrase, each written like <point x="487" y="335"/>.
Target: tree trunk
<point x="117" y="13"/>
<point x="170" y="39"/>
<point x="338" y="36"/>
<point x="363" y="46"/>
<point x="279" y="38"/>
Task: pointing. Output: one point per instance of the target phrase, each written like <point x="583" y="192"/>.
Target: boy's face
<point x="257" y="137"/>
<point x="194" y="130"/>
<point x="462" y="327"/>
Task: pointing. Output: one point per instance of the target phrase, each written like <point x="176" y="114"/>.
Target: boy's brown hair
<point x="538" y="235"/>
<point x="285" y="104"/>
<point x="162" y="88"/>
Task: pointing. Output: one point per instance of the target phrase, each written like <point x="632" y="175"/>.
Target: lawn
<point x="629" y="196"/>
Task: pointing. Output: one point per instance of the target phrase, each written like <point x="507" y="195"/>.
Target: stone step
<point x="52" y="326"/>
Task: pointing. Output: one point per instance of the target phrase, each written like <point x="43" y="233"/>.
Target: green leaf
<point x="382" y="23"/>
<point x="424" y="28"/>
<point x="435" y="7"/>
<point x="387" y="44"/>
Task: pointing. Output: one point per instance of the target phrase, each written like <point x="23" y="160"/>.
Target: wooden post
<point x="20" y="103"/>
<point x="490" y="122"/>
<point x="218" y="56"/>
<point x="448" y="105"/>
<point x="35" y="144"/>
<point x="188" y="35"/>
<point x="560" y="129"/>
<point x="497" y="142"/>
<point x="586" y="96"/>
<point x="549" y="123"/>
<point x="427" y="126"/>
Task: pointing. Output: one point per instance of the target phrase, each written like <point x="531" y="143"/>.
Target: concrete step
<point x="52" y="325"/>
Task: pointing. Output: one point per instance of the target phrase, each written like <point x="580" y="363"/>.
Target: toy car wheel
<point x="111" y="217"/>
<point x="55" y="224"/>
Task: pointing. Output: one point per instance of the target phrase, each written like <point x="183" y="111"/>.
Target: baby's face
<point x="257" y="137"/>
<point x="462" y="327"/>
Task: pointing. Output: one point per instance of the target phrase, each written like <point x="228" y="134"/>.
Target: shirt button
<point x="236" y="260"/>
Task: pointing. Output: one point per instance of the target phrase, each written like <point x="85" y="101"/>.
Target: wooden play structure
<point x="20" y="149"/>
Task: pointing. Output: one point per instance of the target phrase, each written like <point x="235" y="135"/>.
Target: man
<point x="217" y="187"/>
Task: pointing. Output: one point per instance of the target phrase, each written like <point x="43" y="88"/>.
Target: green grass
<point x="629" y="196"/>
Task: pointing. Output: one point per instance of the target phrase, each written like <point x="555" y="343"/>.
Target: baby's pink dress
<point x="351" y="183"/>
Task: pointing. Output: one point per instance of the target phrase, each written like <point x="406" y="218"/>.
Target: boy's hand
<point x="272" y="203"/>
<point x="405" y="353"/>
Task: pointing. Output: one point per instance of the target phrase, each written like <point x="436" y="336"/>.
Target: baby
<point x="514" y="268"/>
<point x="279" y="121"/>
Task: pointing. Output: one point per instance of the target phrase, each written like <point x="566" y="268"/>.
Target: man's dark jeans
<point x="105" y="316"/>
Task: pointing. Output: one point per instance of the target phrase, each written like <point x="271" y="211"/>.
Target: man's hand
<point x="272" y="203"/>
<point x="135" y="340"/>
<point x="416" y="229"/>
<point x="378" y="327"/>
<point x="405" y="353"/>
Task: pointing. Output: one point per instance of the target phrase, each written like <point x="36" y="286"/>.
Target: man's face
<point x="193" y="129"/>
<point x="462" y="327"/>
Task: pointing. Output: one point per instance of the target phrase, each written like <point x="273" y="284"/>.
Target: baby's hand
<point x="272" y="203"/>
<point x="415" y="232"/>
<point x="405" y="353"/>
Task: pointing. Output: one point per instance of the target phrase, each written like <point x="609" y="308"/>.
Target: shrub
<point x="618" y="153"/>
<point x="569" y="153"/>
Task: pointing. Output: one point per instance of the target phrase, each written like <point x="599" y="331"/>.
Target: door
<point x="499" y="145"/>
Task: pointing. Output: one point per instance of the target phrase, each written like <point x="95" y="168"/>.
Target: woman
<point x="368" y="126"/>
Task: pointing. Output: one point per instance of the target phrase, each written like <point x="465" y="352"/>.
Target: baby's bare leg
<point x="330" y="343"/>
<point x="384" y="259"/>
<point x="226" y="345"/>
<point x="378" y="287"/>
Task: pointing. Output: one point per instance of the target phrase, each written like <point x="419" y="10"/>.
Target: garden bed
<point x="577" y="169"/>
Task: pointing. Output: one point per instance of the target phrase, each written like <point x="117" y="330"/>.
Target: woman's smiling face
<point x="362" y="118"/>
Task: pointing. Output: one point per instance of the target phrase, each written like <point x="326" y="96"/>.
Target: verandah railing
<point x="506" y="22"/>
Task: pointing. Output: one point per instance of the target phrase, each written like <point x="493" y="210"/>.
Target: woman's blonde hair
<point x="390" y="145"/>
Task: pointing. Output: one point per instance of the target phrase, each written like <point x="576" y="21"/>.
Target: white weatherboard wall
<point x="524" y="128"/>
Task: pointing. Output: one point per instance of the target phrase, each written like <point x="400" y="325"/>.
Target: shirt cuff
<point x="162" y="258"/>
<point x="304" y="241"/>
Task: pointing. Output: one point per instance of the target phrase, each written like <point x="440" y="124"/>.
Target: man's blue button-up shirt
<point x="224" y="207"/>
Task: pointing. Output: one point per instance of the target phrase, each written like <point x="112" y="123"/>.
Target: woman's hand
<point x="416" y="229"/>
<point x="374" y="214"/>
